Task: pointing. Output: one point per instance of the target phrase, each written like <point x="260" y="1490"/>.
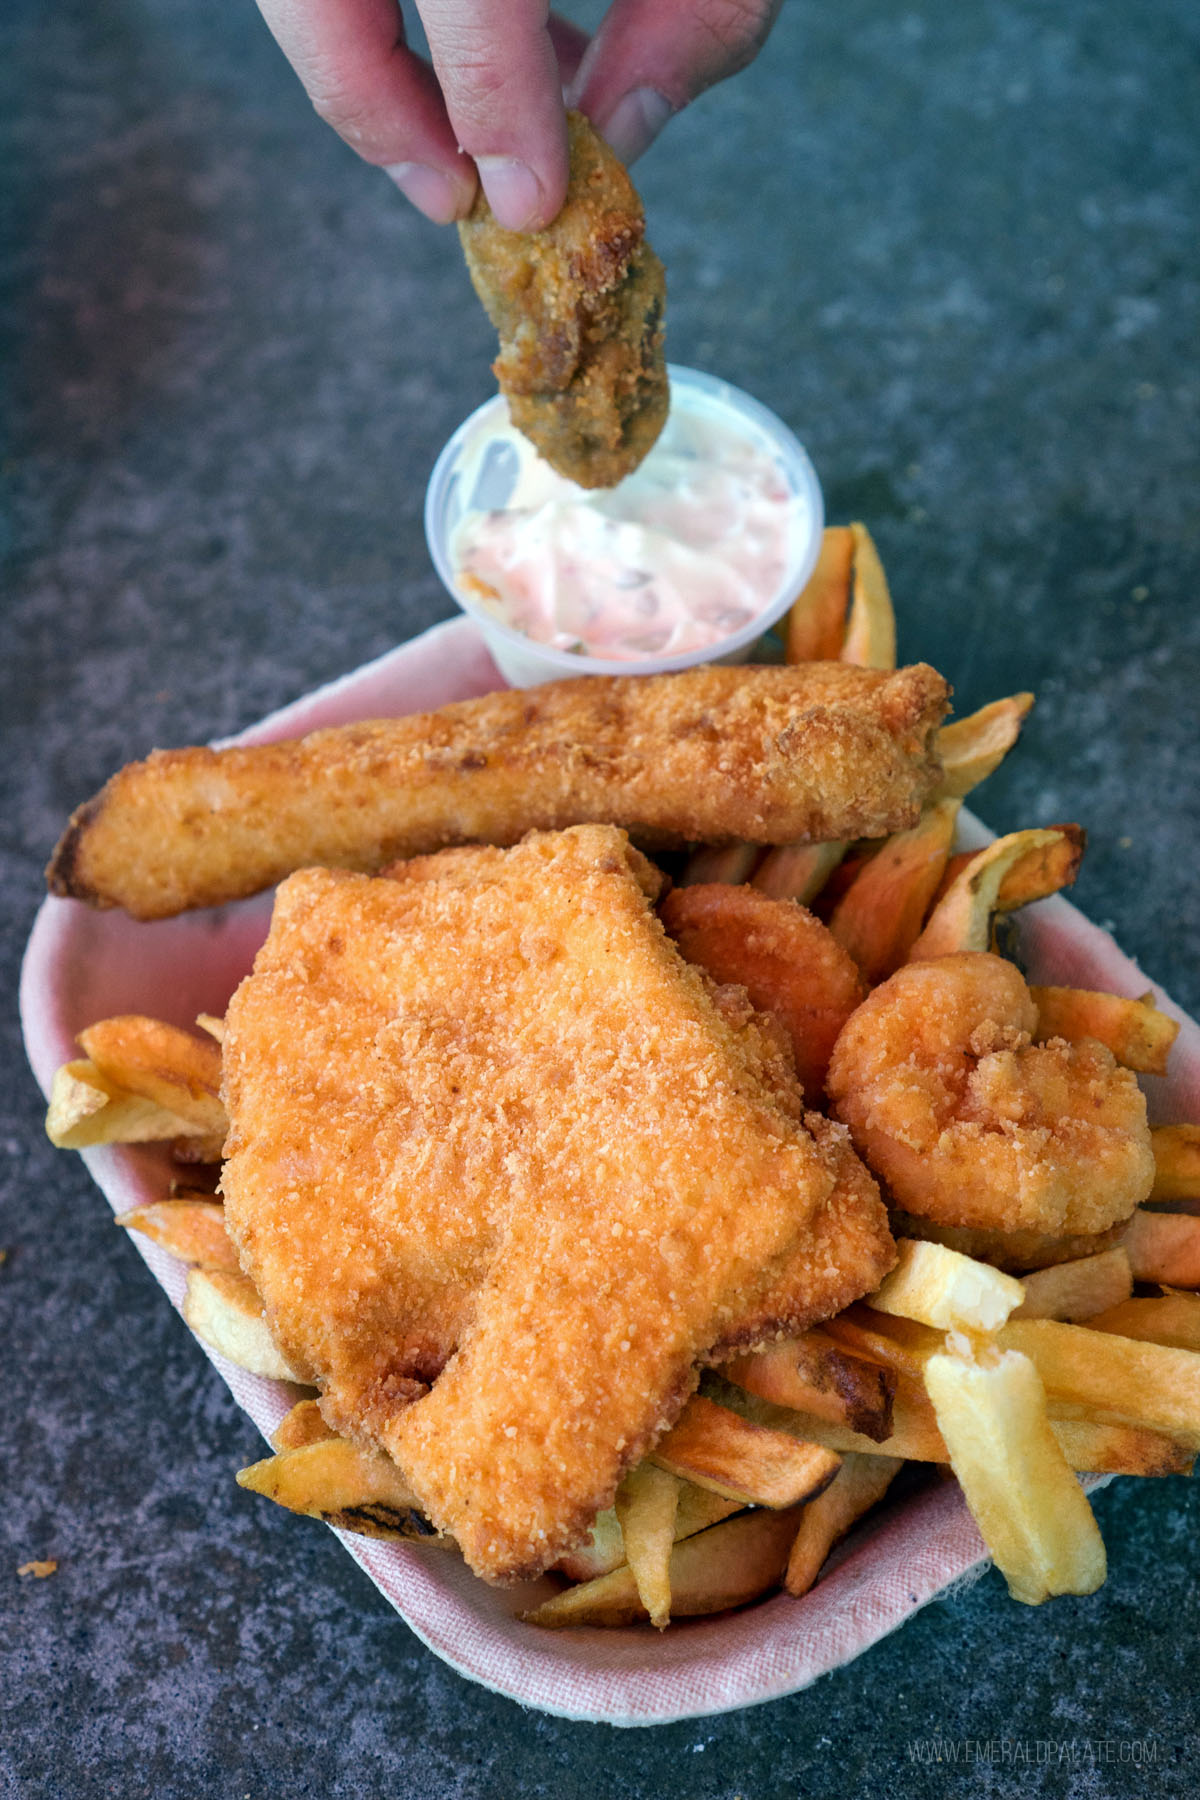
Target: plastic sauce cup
<point x="523" y="660"/>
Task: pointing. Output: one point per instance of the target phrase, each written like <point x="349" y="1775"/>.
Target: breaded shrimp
<point x="968" y="1122"/>
<point x="788" y="962"/>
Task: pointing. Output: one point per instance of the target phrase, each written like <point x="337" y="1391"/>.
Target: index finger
<point x="500" y="80"/>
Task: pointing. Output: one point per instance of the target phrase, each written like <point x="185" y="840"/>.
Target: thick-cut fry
<point x="859" y="1484"/>
<point x="1032" y="1513"/>
<point x="1112" y="1379"/>
<point x="811" y="1374"/>
<point x="646" y="1507"/>
<point x="729" y="863"/>
<point x="178" y="1071"/>
<point x="870" y="640"/>
<point x="878" y="919"/>
<point x="1009" y="873"/>
<point x="718" y="1449"/>
<point x="815" y="629"/>
<point x="1172" y="1319"/>
<point x="226" y="1312"/>
<point x="604" y="1549"/>
<point x="1176" y="1162"/>
<point x="192" y="1230"/>
<point x="895" y="1343"/>
<point x="354" y="1489"/>
<point x="1138" y="1035"/>
<point x="86" y="1108"/>
<point x="726" y="1566"/>
<point x="942" y="1288"/>
<point x="971" y="749"/>
<point x="304" y="1424"/>
<point x="797" y="871"/>
<point x="806" y="753"/>
<point x="1077" y="1290"/>
<point x="1164" y="1247"/>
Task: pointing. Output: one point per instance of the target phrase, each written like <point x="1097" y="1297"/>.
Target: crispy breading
<point x="501" y="1122"/>
<point x="579" y="309"/>
<point x="773" y="755"/>
<point x="790" y="964"/>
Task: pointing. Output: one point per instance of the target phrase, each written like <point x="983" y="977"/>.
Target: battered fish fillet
<point x="495" y="1135"/>
<point x="773" y="755"/>
<point x="579" y="309"/>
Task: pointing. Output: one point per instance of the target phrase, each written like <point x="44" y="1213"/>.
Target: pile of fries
<point x="1016" y="1382"/>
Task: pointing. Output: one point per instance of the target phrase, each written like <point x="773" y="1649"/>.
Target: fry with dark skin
<point x="774" y="755"/>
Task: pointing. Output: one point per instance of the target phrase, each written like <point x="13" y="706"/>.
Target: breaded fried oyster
<point x="579" y="308"/>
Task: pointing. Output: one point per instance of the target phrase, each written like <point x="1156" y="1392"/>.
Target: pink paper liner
<point x="81" y="965"/>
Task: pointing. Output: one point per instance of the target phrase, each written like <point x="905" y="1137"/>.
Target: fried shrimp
<point x="968" y="1122"/>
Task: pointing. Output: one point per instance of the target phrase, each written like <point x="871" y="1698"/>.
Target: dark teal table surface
<point x="957" y="250"/>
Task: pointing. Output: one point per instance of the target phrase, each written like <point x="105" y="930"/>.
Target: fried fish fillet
<point x="774" y="755"/>
<point x="504" y="1175"/>
<point x="579" y="309"/>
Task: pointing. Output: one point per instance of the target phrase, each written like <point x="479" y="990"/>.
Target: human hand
<point x="490" y="109"/>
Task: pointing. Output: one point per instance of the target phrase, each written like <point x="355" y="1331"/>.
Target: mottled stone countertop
<point x="957" y="250"/>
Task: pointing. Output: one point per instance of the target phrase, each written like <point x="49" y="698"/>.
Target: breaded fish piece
<point x="774" y="755"/>
<point x="579" y="309"/>
<point x="502" y="1122"/>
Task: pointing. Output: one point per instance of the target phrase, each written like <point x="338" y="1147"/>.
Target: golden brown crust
<point x="790" y="964"/>
<point x="772" y="755"/>
<point x="579" y="309"/>
<point x="495" y="1137"/>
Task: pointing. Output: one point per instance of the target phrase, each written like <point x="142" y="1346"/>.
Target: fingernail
<point x="513" y="190"/>
<point x="430" y="191"/>
<point x="635" y="121"/>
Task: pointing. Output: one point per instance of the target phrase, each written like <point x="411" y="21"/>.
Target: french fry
<point x="1164" y="1247"/>
<point x="192" y="1230"/>
<point x="944" y="1289"/>
<point x="870" y="640"/>
<point x="1009" y="873"/>
<point x="879" y="918"/>
<point x="797" y="871"/>
<point x="816" y="625"/>
<point x="178" y="1071"/>
<point x="86" y="1108"/>
<point x="899" y="1344"/>
<point x="1030" y="1509"/>
<point x="718" y="1449"/>
<point x="971" y="749"/>
<point x="214" y="1026"/>
<point x="729" y="863"/>
<point x="646" y="1506"/>
<point x="1171" y="1318"/>
<point x="859" y="1484"/>
<point x="811" y="1374"/>
<point x="304" y="1424"/>
<point x="1138" y="1035"/>
<point x="1094" y="1449"/>
<point x="1074" y="1291"/>
<point x="914" y="1434"/>
<point x="1115" y="1380"/>
<point x="226" y="1312"/>
<point x="1176" y="1162"/>
<point x="604" y="1549"/>
<point x="354" y="1489"/>
<point x="725" y="1566"/>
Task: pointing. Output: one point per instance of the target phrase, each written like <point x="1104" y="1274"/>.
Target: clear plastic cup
<point x="523" y="660"/>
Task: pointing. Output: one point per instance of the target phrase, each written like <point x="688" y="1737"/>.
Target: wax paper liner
<point x="83" y="965"/>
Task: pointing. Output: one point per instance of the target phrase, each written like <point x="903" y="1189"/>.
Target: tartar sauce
<point x="688" y="550"/>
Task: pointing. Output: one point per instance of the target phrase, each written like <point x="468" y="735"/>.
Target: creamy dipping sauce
<point x="688" y="550"/>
